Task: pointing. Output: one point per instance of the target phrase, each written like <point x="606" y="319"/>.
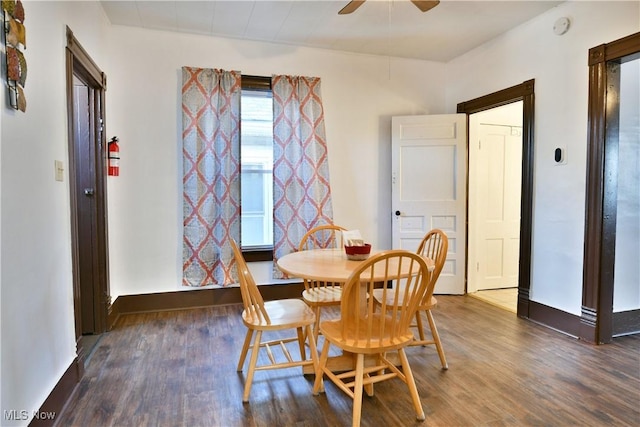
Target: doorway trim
<point x="78" y="62"/>
<point x="523" y="92"/>
<point x="597" y="318"/>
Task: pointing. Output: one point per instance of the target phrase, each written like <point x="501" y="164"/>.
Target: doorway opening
<point x="87" y="153"/>
<point x="524" y="94"/>
<point x="495" y="179"/>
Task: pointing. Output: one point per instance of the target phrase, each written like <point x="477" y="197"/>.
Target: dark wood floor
<point x="179" y="369"/>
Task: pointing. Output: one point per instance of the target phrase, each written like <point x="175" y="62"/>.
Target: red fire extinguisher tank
<point x="114" y="157"/>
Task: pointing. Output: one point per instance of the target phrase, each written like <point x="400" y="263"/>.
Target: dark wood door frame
<point x="523" y="92"/>
<point x="597" y="318"/>
<point x="80" y="64"/>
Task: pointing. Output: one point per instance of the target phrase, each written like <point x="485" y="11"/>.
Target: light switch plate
<point x="59" y="168"/>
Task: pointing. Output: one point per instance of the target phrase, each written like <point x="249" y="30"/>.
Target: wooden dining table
<point x="331" y="265"/>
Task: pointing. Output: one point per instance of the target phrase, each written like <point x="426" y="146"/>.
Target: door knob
<point x="88" y="191"/>
<point x="398" y="213"/>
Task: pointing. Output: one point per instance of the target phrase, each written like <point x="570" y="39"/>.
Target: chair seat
<point x="322" y="295"/>
<point x="373" y="344"/>
<point x="284" y="314"/>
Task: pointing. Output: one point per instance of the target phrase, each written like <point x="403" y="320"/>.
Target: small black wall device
<point x="558" y="155"/>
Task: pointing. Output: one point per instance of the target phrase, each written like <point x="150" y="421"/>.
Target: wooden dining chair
<point x="321" y="293"/>
<point x="366" y="331"/>
<point x="434" y="245"/>
<point x="267" y="316"/>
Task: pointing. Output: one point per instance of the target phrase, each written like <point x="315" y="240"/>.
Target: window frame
<point x="256" y="253"/>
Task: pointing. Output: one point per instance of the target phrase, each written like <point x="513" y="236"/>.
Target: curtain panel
<point x="211" y="174"/>
<point x="301" y="191"/>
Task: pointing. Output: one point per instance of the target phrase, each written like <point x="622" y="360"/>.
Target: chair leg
<point x="245" y="348"/>
<point x="436" y="338"/>
<point x="368" y="388"/>
<point x="252" y="366"/>
<point x="316" y="325"/>
<point x="419" y="324"/>
<point x="312" y="349"/>
<point x="413" y="390"/>
<point x="318" y="385"/>
<point x="357" y="390"/>
<point x="301" y="340"/>
<point x="381" y="363"/>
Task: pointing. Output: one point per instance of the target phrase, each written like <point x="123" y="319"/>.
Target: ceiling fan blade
<point x="351" y="7"/>
<point x="425" y="5"/>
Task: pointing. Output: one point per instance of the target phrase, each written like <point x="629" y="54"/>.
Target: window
<point x="256" y="159"/>
<point x="283" y="207"/>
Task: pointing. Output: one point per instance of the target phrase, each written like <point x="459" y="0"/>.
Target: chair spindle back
<point x="251" y="297"/>
<point x="434" y="246"/>
<point x="322" y="237"/>
<point x="390" y="321"/>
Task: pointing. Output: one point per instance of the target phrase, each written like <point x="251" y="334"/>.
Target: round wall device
<point x="561" y="26"/>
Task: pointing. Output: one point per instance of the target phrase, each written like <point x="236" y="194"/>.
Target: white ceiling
<point x="380" y="27"/>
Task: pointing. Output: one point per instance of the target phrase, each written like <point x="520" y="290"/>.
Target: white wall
<point x="360" y="94"/>
<point x="38" y="337"/>
<point x="559" y="66"/>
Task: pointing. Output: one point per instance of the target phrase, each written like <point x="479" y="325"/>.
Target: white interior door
<point x="497" y="186"/>
<point x="428" y="157"/>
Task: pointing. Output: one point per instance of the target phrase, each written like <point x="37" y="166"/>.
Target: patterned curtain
<point x="301" y="191"/>
<point x="211" y="181"/>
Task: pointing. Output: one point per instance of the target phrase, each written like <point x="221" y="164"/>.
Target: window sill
<point x="262" y="253"/>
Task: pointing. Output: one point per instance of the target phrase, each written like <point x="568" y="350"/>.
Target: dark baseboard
<point x="54" y="404"/>
<point x="553" y="318"/>
<point x="180" y="300"/>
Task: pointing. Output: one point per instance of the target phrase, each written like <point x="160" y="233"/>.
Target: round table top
<point x="330" y="265"/>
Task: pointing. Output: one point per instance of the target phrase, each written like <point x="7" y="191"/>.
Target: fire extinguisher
<point x="114" y="157"/>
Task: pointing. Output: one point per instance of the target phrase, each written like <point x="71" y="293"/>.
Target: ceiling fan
<point x="423" y="5"/>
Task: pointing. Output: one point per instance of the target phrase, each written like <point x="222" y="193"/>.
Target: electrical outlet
<point x="59" y="168"/>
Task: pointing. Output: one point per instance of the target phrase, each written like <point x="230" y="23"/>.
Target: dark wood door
<point x="85" y="177"/>
<point x="87" y="169"/>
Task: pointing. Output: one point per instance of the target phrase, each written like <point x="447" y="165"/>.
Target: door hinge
<point x="478" y="266"/>
<point x="479" y="144"/>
